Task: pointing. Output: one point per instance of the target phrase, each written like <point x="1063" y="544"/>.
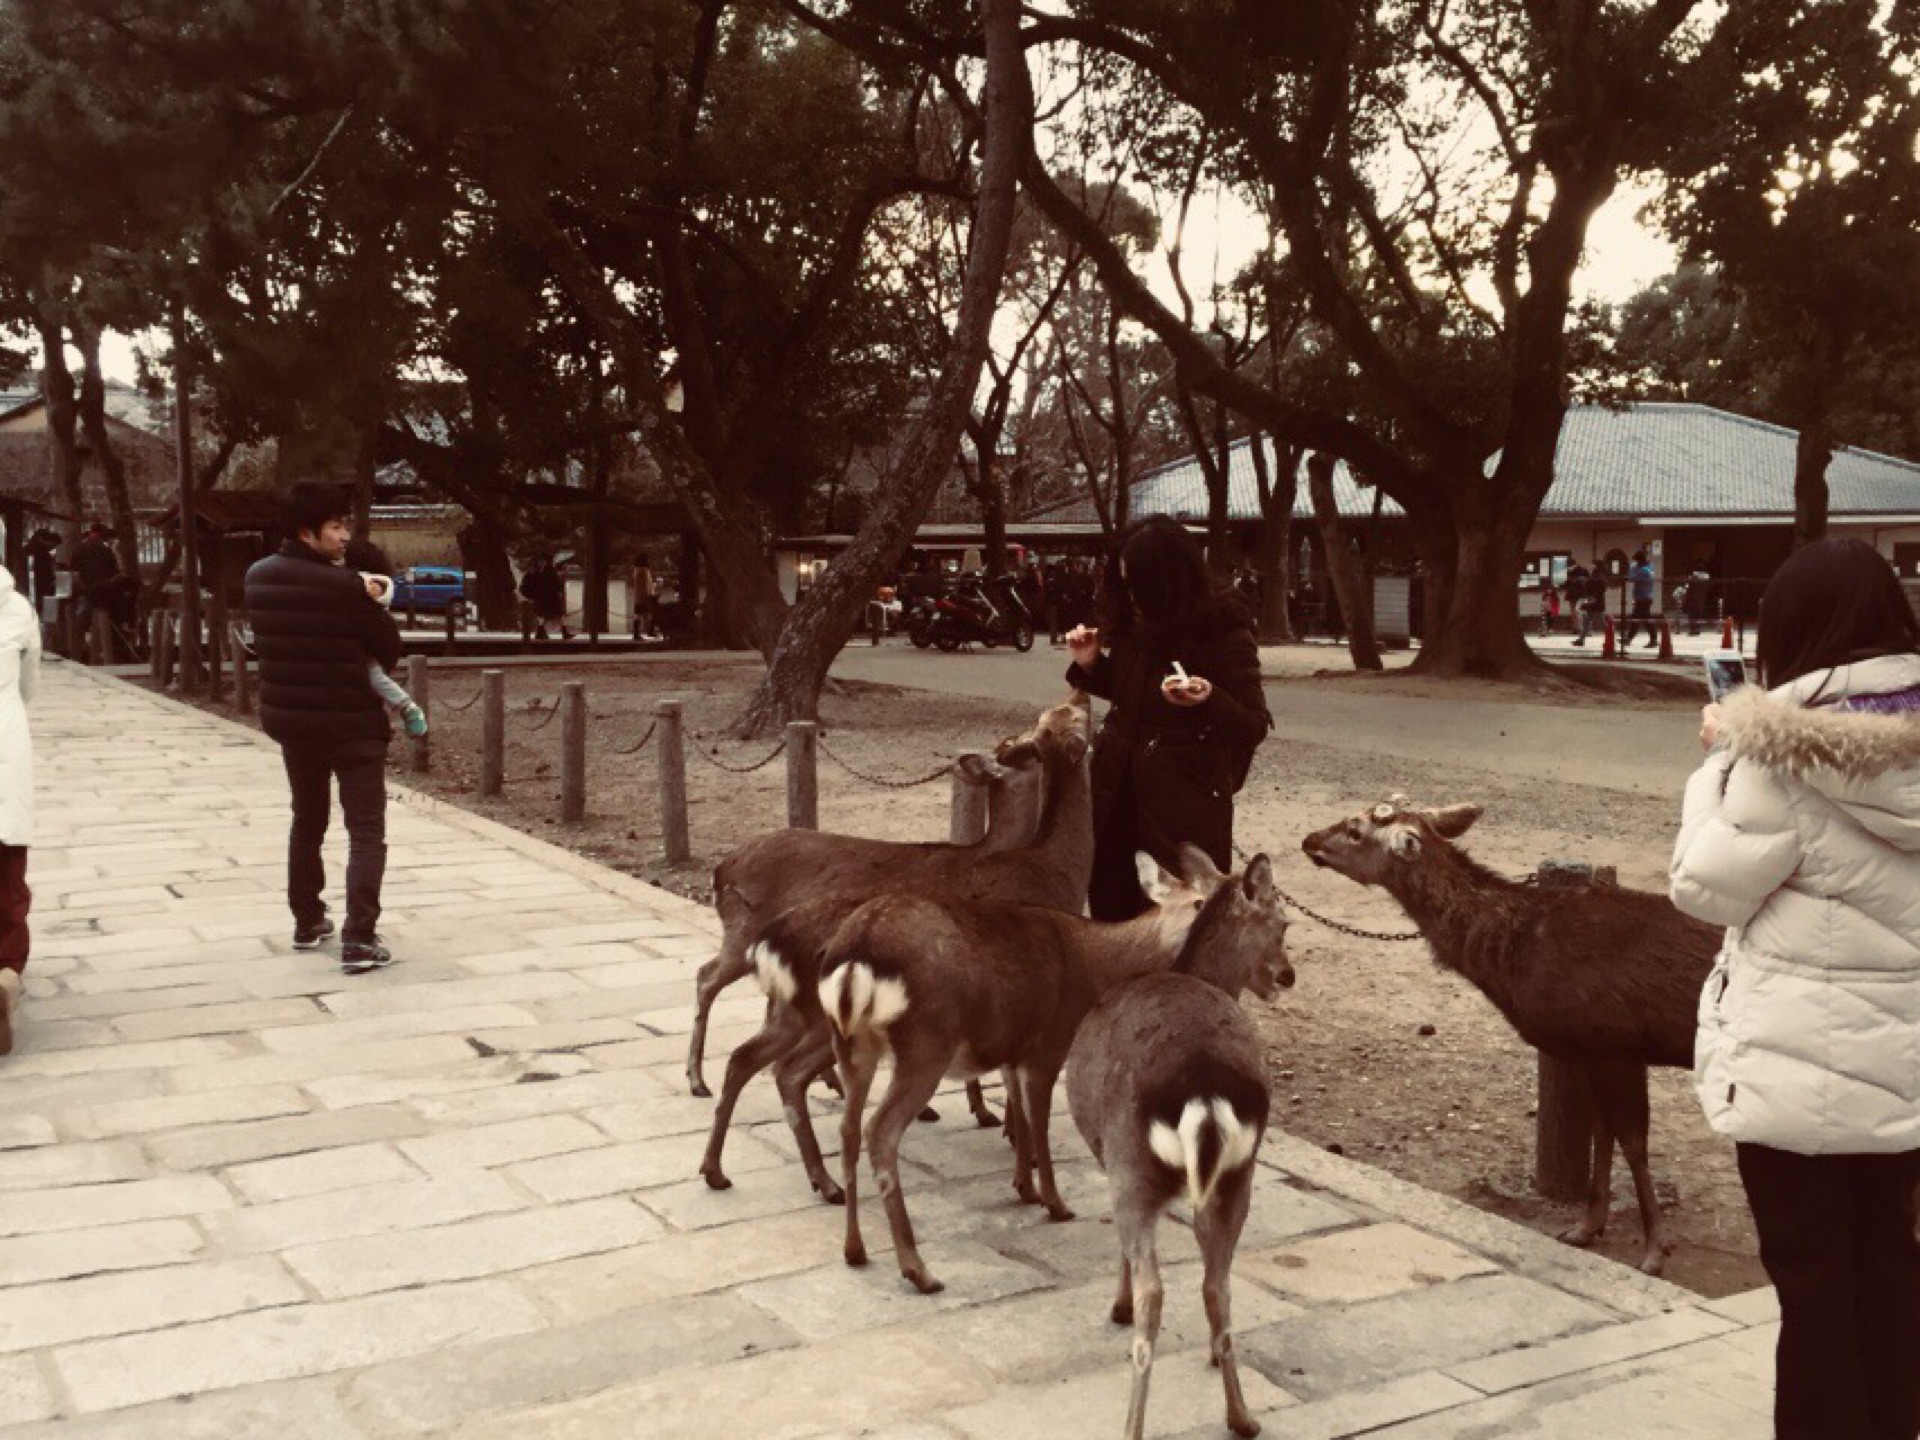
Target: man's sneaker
<point x="359" y="956"/>
<point x="312" y="937"/>
<point x="414" y="720"/>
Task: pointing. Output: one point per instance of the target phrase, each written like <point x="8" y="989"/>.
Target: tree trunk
<point x="599" y="542"/>
<point x="483" y="550"/>
<point x="825" y="617"/>
<point x="1351" y="588"/>
<point x="56" y="385"/>
<point x="1812" y="453"/>
<point x="363" y="476"/>
<point x="1480" y="633"/>
<point x="1273" y="542"/>
<point x="113" y="468"/>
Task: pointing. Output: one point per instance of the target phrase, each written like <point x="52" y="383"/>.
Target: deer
<point x="1606" y="979"/>
<point x="1167" y="1084"/>
<point x="1051" y="872"/>
<point x="947" y="987"/>
<point x="773" y="872"/>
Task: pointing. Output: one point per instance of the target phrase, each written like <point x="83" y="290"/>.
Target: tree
<point x="1794" y="167"/>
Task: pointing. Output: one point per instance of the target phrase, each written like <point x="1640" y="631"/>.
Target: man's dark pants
<point x="1837" y="1240"/>
<point x="361" y="768"/>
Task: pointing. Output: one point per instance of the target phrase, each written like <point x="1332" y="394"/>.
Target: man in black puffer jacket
<point x="316" y="632"/>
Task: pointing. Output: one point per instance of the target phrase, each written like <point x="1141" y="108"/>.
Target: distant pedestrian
<point x="1800" y="833"/>
<point x="641" y="592"/>
<point x="1175" y="654"/>
<point x="19" y="674"/>
<point x="95" y="569"/>
<point x="1587" y="591"/>
<point x="1549" y="607"/>
<point x="42" y="569"/>
<point x="1642" y="584"/>
<point x="316" y="633"/>
<point x="1699" y="596"/>
<point x="545" y="591"/>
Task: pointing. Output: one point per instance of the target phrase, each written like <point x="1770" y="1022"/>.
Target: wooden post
<point x="803" y="775"/>
<point x="216" y="618"/>
<point x="167" y="640"/>
<point x="156" y="627"/>
<point x="102" y="638"/>
<point x="1563" y="1123"/>
<point x="242" y="671"/>
<point x="670" y="744"/>
<point x="417" y="687"/>
<point x="968" y="822"/>
<point x="453" y="627"/>
<point x="573" y="752"/>
<point x="67" y="626"/>
<point x="493" y="731"/>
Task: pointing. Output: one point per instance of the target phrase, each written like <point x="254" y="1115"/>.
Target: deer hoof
<point x="1248" y="1427"/>
<point x="716" y="1180"/>
<point x="1058" y="1211"/>
<point x="929" y="1115"/>
<point x="986" y="1119"/>
<point x="830" y="1192"/>
<point x="856" y="1256"/>
<point x="1655" y="1261"/>
<point x="923" y="1282"/>
<point x="1122" y="1312"/>
<point x="697" y="1088"/>
<point x="1581" y="1236"/>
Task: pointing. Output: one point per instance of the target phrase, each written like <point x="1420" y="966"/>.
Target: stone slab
<point x="34" y="1316"/>
<point x="1360" y="1264"/>
<point x="59" y="1255"/>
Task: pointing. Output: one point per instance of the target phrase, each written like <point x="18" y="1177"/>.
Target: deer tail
<point x="862" y="998"/>
<point x="1208" y="1143"/>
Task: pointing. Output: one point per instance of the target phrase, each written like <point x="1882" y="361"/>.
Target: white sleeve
<point x="1738" y="842"/>
<point x="30" y="658"/>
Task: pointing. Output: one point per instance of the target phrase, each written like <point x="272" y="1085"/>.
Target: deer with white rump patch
<point x="777" y="871"/>
<point x="1168" y="1086"/>
<point x="1604" y="978"/>
<point x="951" y="988"/>
<point x="1052" y="872"/>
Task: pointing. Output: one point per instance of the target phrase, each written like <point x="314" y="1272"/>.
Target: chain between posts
<point x="881" y="781"/>
<point x="472" y="700"/>
<point x="720" y="764"/>
<point x="636" y="749"/>
<point x="1387" y="936"/>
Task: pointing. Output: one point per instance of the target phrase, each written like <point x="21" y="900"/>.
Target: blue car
<point x="429" y="588"/>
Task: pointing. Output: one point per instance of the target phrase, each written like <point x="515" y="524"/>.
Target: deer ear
<point x="1257" y="883"/>
<point x="1402" y="843"/>
<point x="1198" y="869"/>
<point x="1452" y="821"/>
<point x="1158" y="884"/>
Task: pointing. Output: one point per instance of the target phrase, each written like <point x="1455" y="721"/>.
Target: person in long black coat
<point x="1171" y="752"/>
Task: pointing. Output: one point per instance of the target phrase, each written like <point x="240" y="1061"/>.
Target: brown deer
<point x="1604" y="978"/>
<point x="952" y="988"/>
<point x="780" y="870"/>
<point x="1051" y="872"/>
<point x="1168" y="1086"/>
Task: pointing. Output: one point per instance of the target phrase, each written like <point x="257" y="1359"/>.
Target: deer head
<point x="1378" y="844"/>
<point x="1232" y="926"/>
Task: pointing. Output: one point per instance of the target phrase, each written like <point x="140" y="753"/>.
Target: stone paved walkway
<point x="241" y="1196"/>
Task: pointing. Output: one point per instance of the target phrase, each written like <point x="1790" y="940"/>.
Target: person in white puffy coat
<point x="19" y="671"/>
<point x="1801" y="834"/>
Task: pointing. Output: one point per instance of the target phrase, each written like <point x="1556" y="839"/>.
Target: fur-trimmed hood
<point x="1868" y="764"/>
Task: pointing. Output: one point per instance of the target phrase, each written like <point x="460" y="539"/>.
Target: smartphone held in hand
<point x="1726" y="672"/>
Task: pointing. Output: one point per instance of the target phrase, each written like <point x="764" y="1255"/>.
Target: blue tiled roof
<point x="1645" y="460"/>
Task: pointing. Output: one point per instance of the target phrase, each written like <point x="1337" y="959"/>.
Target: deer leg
<point x="713" y="977"/>
<point x="1624" y="1090"/>
<point x="858" y="1061"/>
<point x="1217" y="1227"/>
<point x="793" y="1072"/>
<point x="1136" y="1242"/>
<point x="914" y="1080"/>
<point x="1600" y="1180"/>
<point x="977" y="1103"/>
<point x="1022" y="1137"/>
<point x="1037" y="1091"/>
<point x="1122" y="1312"/>
<point x="758" y="1051"/>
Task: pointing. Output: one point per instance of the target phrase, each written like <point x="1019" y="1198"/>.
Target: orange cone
<point x="1607" y="651"/>
<point x="1726" y="633"/>
<point x="1666" y="640"/>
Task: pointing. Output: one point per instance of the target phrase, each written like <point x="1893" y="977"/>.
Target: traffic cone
<point x="1726" y="633"/>
<point x="1666" y="640"/>
<point x="1606" y="645"/>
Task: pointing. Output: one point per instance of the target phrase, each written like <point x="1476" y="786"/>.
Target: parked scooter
<point x="986" y="612"/>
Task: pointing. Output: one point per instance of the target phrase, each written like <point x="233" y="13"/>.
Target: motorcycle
<point x="987" y="612"/>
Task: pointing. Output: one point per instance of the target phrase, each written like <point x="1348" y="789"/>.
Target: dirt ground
<point x="1451" y="1110"/>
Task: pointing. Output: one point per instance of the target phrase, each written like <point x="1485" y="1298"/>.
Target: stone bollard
<point x="670" y="744"/>
<point x="419" y="687"/>
<point x="803" y="775"/>
<point x="967" y="820"/>
<point x="573" y="752"/>
<point x="493" y="731"/>
<point x="1563" y="1124"/>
